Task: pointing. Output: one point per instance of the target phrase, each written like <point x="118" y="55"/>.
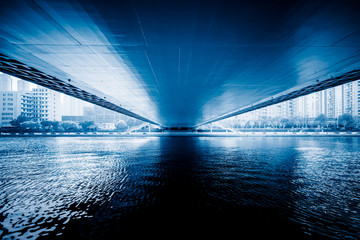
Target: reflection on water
<point x="289" y="188"/>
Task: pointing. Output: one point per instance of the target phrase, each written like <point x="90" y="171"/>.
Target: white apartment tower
<point x="356" y="98"/>
<point x="38" y="105"/>
<point x="46" y="104"/>
<point x="10" y="107"/>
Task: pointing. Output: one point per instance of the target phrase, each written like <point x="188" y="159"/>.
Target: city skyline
<point x="38" y="104"/>
<point x="332" y="103"/>
<point x="19" y="96"/>
<point x="35" y="102"/>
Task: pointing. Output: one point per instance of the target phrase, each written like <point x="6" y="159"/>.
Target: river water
<point x="106" y="187"/>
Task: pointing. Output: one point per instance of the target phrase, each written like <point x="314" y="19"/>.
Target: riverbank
<point x="190" y="134"/>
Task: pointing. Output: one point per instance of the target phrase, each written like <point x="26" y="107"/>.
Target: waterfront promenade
<point x="189" y="134"/>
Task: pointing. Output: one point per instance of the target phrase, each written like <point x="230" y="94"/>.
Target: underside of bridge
<point x="181" y="63"/>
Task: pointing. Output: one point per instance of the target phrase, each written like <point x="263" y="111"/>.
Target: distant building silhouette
<point x="23" y="86"/>
<point x="6" y="83"/>
<point x="332" y="102"/>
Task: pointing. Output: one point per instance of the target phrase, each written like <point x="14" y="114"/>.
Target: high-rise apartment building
<point x="331" y="102"/>
<point x="46" y="104"/>
<point x="299" y="107"/>
<point x="39" y="104"/>
<point x="347" y="99"/>
<point x="343" y="99"/>
<point x="27" y="104"/>
<point x="356" y="98"/>
<point x="286" y="109"/>
<point x="322" y="102"/>
<point x="10" y="107"/>
<point x="338" y="101"/>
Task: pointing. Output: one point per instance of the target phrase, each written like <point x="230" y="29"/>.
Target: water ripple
<point x="50" y="187"/>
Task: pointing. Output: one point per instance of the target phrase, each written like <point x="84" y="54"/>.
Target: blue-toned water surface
<point x="104" y="187"/>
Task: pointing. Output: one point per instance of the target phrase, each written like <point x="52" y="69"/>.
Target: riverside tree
<point x="321" y="120"/>
<point x="46" y="125"/>
<point x="88" y="126"/>
<point x="69" y="126"/>
<point x="20" y="119"/>
<point x="347" y="121"/>
<point x="30" y="126"/>
<point x="121" y="125"/>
